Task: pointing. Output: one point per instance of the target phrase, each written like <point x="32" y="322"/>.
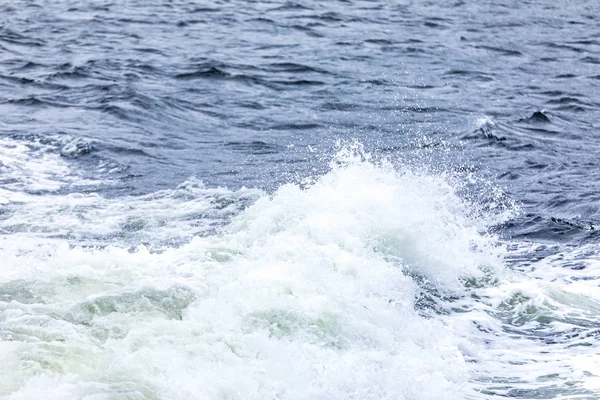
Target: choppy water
<point x="299" y="200"/>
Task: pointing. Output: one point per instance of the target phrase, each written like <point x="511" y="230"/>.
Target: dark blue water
<point x="234" y="93"/>
<point x="129" y="99"/>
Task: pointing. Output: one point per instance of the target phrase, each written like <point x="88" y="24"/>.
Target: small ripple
<point x="31" y="82"/>
<point x="503" y="51"/>
<point x="308" y="31"/>
<point x="563" y="47"/>
<point x="205" y="10"/>
<point x="253" y="105"/>
<point x="593" y="42"/>
<point x="299" y="82"/>
<point x="474" y="75"/>
<point x="9" y="36"/>
<point x="379" y="41"/>
<point x="338" y="106"/>
<point x="255" y="147"/>
<point x="536" y="117"/>
<point x="590" y="60"/>
<point x="290" y="6"/>
<point x="565" y="100"/>
<point x="208" y="72"/>
<point x="294" y="127"/>
<point x="566" y="76"/>
<point x="293" y="68"/>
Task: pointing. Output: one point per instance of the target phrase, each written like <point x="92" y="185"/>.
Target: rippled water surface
<point x="299" y="200"/>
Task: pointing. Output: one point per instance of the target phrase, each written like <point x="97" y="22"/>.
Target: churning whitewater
<point x="369" y="282"/>
<point x="299" y="199"/>
<point x="331" y="290"/>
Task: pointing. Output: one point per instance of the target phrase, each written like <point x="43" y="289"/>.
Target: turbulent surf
<point x="299" y="200"/>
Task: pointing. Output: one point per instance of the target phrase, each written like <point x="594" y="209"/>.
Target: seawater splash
<point x="372" y="281"/>
<point x="308" y="293"/>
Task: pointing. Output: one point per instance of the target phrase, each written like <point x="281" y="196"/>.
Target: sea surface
<point x="393" y="199"/>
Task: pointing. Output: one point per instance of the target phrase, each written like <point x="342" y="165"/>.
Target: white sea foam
<point x="166" y="217"/>
<point x="35" y="166"/>
<point x="538" y="328"/>
<point x="370" y="282"/>
<point x="308" y="293"/>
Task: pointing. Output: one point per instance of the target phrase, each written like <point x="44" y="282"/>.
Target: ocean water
<point x="299" y="200"/>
